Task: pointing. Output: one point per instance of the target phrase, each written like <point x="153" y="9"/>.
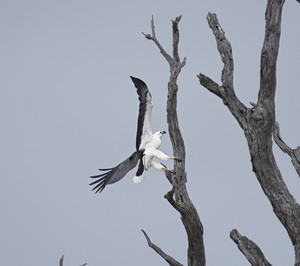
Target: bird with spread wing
<point x="147" y="145"/>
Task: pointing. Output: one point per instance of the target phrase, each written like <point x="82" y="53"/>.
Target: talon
<point x="178" y="159"/>
<point x="169" y="171"/>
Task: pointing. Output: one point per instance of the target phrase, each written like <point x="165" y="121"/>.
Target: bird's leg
<point x="162" y="156"/>
<point x="169" y="170"/>
<point x="165" y="169"/>
<point x="161" y="167"/>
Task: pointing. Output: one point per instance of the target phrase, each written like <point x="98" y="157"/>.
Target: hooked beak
<point x="163" y="132"/>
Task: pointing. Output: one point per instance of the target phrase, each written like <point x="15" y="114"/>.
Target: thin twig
<point x="279" y="141"/>
<point x="293" y="153"/>
<point x="153" y="38"/>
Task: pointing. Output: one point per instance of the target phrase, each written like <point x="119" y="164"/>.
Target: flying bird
<point x="147" y="145"/>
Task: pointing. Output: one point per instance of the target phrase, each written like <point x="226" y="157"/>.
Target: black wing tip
<point x="138" y="82"/>
<point x="114" y="174"/>
<point x="133" y="78"/>
<point x="99" y="187"/>
<point x="104" y="169"/>
<point x="100" y="183"/>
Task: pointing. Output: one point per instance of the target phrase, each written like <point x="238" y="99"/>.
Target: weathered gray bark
<point x="258" y="122"/>
<point x="178" y="197"/>
<point x="251" y="251"/>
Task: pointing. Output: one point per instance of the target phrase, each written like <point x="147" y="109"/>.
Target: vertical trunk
<point x="178" y="197"/>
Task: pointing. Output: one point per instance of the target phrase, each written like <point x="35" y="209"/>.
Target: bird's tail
<point x="140" y="174"/>
<point x="139" y="179"/>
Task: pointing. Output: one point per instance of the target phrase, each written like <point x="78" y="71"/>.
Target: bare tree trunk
<point x="178" y="197"/>
<point x="258" y="122"/>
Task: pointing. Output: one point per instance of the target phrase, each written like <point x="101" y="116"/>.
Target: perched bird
<point x="147" y="145"/>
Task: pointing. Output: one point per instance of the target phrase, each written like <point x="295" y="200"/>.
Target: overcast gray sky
<point x="68" y="107"/>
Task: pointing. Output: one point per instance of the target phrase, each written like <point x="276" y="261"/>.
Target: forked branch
<point x="174" y="62"/>
<point x="226" y="90"/>
<point x="153" y="38"/>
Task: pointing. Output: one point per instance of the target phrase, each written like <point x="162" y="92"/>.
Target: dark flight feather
<point x="116" y="173"/>
<point x="145" y="106"/>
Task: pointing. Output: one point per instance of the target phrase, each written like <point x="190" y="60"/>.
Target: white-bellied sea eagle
<point x="147" y="145"/>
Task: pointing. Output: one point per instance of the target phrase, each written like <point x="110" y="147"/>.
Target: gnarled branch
<point x="226" y="90"/>
<point x="251" y="251"/>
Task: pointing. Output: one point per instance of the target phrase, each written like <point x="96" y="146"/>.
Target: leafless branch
<point x="61" y="261"/>
<point x="161" y="253"/>
<point x="175" y="60"/>
<point x="226" y="90"/>
<point x="224" y="48"/>
<point x="251" y="251"/>
<point x="176" y="39"/>
<point x="211" y="85"/>
<point x="281" y="144"/>
<point x="293" y="153"/>
<point x="153" y="38"/>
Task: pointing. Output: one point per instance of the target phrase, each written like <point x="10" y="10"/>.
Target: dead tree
<point x="178" y="197"/>
<point x="258" y="124"/>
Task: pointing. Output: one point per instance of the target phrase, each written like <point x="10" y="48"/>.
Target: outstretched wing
<point x="116" y="173"/>
<point x="144" y="132"/>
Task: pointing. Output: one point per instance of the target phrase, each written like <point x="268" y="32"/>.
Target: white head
<point x="159" y="134"/>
